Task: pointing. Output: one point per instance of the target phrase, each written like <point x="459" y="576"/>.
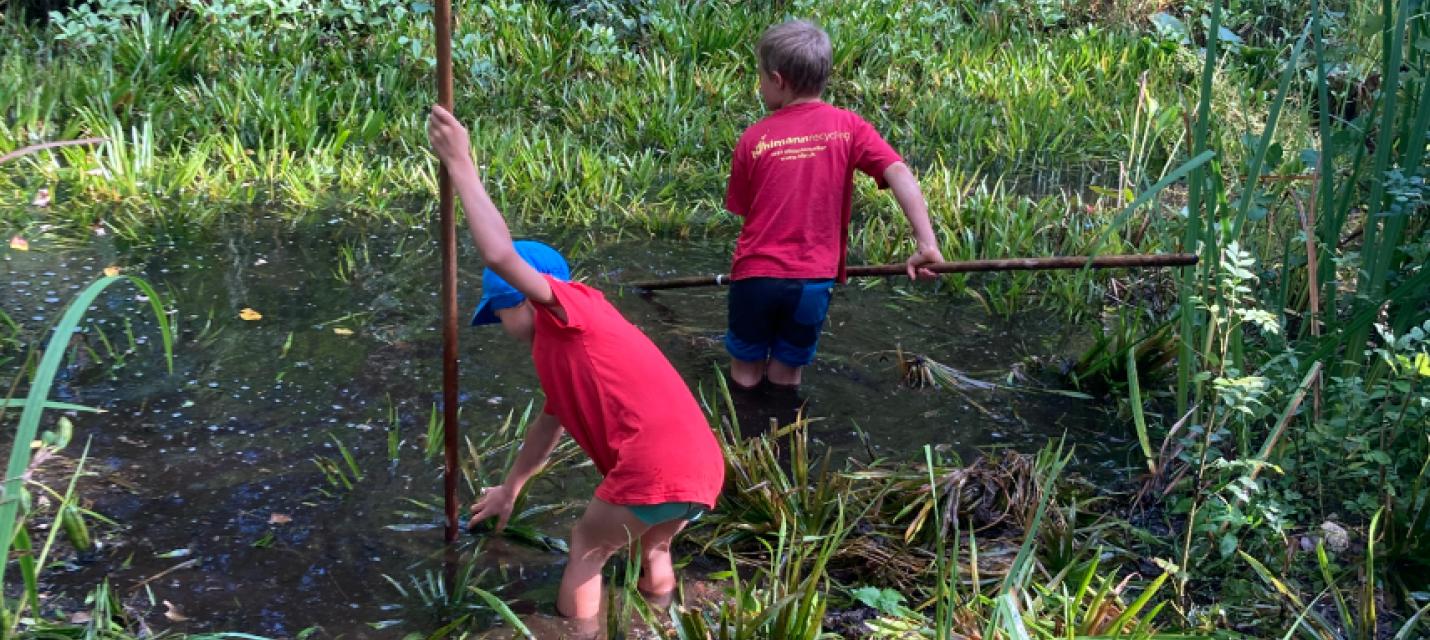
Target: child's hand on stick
<point x="449" y="138"/>
<point x="923" y="257"/>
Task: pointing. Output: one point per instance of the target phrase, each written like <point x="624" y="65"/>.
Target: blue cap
<point x="497" y="294"/>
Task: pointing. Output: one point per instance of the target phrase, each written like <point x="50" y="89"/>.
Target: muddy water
<point x="208" y="473"/>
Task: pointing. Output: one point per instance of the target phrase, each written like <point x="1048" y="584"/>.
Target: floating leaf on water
<point x="249" y="314"/>
<point x="176" y="553"/>
<point x="19" y="244"/>
<point x="264" y="542"/>
<point x="279" y="518"/>
<point x="111" y="271"/>
<point x="173" y="613"/>
<point x="342" y="331"/>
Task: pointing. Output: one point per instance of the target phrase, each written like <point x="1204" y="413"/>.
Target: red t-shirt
<point x="792" y="179"/>
<point x="623" y="403"/>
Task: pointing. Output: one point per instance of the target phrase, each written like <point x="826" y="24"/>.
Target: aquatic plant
<point x="22" y="616"/>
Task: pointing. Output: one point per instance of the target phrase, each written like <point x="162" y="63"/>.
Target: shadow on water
<point x="210" y="472"/>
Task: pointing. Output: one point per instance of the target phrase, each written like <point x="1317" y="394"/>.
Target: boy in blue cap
<point x="606" y="384"/>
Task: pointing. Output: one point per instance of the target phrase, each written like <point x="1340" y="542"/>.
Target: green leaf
<point x="56" y="406"/>
<point x="1228" y="545"/>
<point x="504" y="611"/>
<point x="887" y="601"/>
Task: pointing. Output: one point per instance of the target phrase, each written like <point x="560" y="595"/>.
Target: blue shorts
<point x="777" y="318"/>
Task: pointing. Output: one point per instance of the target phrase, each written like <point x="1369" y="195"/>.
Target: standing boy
<point x="606" y="384"/>
<point x="791" y="179"/>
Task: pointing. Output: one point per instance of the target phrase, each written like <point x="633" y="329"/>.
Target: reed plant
<point x="1302" y="317"/>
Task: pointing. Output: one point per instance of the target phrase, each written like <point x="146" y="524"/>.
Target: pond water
<point x="208" y="473"/>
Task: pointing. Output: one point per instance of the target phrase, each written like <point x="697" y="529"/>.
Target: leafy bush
<point x="234" y="20"/>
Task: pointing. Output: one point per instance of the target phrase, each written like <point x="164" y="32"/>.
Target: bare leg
<point x="600" y="532"/>
<point x="784" y="375"/>
<point x="658" y="577"/>
<point x="746" y="374"/>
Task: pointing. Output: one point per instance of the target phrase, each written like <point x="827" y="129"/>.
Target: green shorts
<point x="654" y="514"/>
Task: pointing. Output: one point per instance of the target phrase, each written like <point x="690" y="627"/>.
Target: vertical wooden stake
<point x="442" y="18"/>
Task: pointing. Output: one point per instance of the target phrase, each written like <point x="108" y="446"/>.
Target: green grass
<point x="1008" y="127"/>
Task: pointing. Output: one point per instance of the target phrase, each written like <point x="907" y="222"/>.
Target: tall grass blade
<point x="36" y="399"/>
<point x="1191" y="236"/>
<point x="1268" y="133"/>
<point x="504" y="611"/>
<point x="55" y="406"/>
<point x="1375" y="248"/>
<point x="1134" y="390"/>
<point x="1181" y="172"/>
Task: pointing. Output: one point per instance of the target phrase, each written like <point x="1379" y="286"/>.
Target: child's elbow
<point x="898" y="172"/>
<point x="500" y="258"/>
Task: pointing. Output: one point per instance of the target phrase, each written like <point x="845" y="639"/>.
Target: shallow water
<point x="201" y="468"/>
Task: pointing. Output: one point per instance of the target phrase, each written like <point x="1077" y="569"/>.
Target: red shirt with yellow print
<point x="623" y="403"/>
<point x="792" y="179"/>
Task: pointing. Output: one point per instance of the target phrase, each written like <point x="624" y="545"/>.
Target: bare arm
<point x="542" y="435"/>
<point x="489" y="230"/>
<point x="906" y="190"/>
<point x="541" y="438"/>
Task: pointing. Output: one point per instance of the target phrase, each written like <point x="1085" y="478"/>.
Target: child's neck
<point x="800" y="100"/>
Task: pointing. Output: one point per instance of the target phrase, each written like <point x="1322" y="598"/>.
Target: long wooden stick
<point x="965" y="266"/>
<point x="443" y="23"/>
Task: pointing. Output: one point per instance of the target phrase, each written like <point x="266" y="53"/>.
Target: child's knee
<point x="655" y="551"/>
<point x="589" y="545"/>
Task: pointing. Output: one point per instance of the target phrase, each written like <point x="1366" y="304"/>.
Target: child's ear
<point x="778" y="80"/>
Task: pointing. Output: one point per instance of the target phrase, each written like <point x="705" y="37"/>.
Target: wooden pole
<point x="442" y="19"/>
<point x="966" y="266"/>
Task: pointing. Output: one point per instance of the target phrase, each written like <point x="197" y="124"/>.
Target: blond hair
<point x="800" y="52"/>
